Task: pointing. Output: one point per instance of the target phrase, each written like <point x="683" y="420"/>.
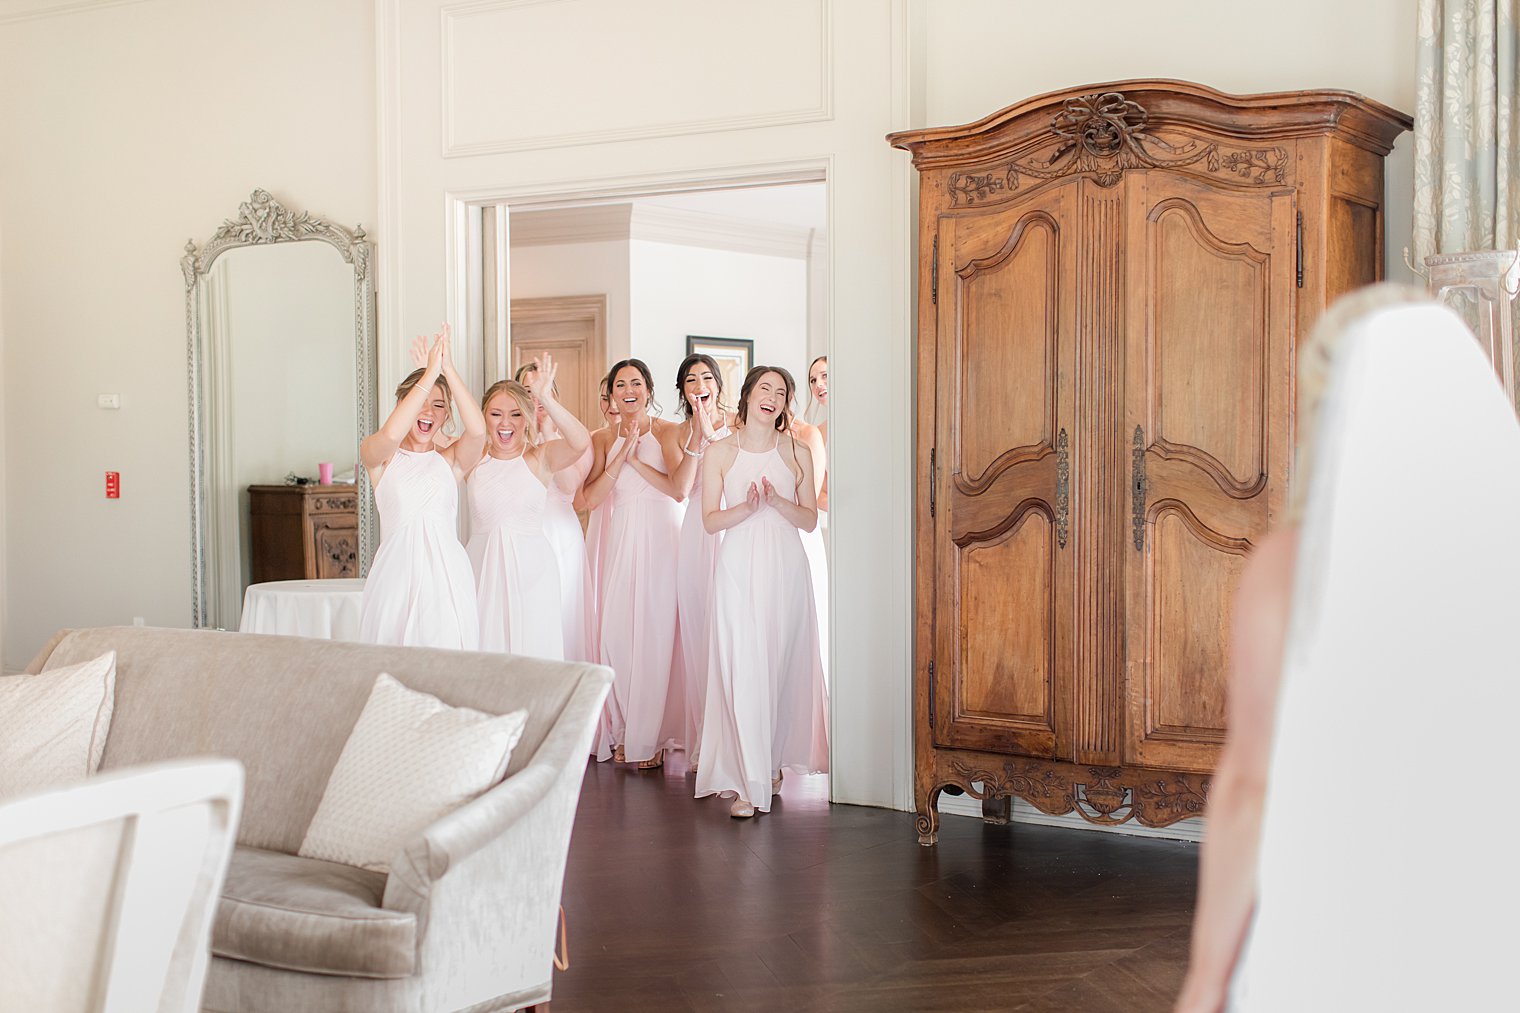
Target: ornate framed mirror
<point x="280" y="328"/>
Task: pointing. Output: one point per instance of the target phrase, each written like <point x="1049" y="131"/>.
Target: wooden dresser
<point x="1113" y="282"/>
<point x="301" y="532"/>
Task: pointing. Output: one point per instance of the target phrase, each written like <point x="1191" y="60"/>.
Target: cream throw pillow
<point x="410" y="759"/>
<point x="53" y="726"/>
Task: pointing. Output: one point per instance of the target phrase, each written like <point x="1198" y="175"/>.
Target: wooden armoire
<point x="1113" y="282"/>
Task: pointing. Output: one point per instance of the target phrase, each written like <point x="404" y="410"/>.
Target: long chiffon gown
<point x="766" y="699"/>
<point x="814" y="544"/>
<point x="421" y="590"/>
<point x="645" y="710"/>
<point x="695" y="564"/>
<point x="563" y="529"/>
<point x="516" y="572"/>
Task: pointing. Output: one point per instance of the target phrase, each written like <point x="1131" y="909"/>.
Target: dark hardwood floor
<point x="675" y="906"/>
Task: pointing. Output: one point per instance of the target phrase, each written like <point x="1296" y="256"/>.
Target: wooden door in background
<point x="574" y="330"/>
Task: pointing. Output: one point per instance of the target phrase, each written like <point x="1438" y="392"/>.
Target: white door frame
<point x="462" y="251"/>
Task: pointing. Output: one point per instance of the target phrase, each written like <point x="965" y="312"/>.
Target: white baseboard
<point x="1023" y="812"/>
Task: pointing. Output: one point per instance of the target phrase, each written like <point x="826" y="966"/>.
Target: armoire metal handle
<point x="1137" y="489"/>
<point x="1063" y="486"/>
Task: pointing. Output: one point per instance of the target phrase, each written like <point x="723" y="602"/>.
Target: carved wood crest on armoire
<point x="1113" y="281"/>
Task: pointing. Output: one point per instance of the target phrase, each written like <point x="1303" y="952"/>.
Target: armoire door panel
<point x="1006" y="297"/>
<point x="1193" y="571"/>
<point x="1212" y="275"/>
<point x="1208" y="334"/>
<point x="1003" y="539"/>
<point x="1007" y="655"/>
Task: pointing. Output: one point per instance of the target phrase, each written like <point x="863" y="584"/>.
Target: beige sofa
<point x="466" y="920"/>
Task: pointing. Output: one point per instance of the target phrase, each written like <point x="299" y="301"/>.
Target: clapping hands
<point x="433" y="355"/>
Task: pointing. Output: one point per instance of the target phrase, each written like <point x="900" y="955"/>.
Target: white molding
<point x="1185" y="830"/>
<point x="33" y="10"/>
<point x="823" y="110"/>
<point x="388" y="255"/>
<point x="600" y="191"/>
<point x="591" y="223"/>
<point x="602" y="223"/>
<point x="719" y="232"/>
<point x="906" y="16"/>
<point x="611" y="189"/>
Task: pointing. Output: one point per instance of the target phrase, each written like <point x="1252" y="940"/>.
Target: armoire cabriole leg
<point x="928" y="819"/>
<point x="997" y="811"/>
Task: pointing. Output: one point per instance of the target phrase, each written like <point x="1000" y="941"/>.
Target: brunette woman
<point x="699" y="384"/>
<point x="420" y="591"/>
<point x="637" y="624"/>
<point x="517" y="572"/>
<point x="766" y="699"/>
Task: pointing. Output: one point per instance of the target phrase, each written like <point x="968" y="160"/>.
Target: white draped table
<point x="326" y="609"/>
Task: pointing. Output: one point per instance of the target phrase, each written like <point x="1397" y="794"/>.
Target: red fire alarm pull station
<point x="113" y="485"/>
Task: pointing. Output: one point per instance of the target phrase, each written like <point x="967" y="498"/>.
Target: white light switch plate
<point x="108" y="400"/>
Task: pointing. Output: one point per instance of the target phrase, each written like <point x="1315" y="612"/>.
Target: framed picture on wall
<point x="734" y="357"/>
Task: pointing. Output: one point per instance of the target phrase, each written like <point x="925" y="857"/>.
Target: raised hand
<point x="443" y="344"/>
<point x="767" y="491"/>
<point x="707" y="421"/>
<point x="541" y="380"/>
<point x="419" y="351"/>
<point x="752" y="499"/>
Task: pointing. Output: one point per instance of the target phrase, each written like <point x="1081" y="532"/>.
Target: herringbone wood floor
<point x="674" y="906"/>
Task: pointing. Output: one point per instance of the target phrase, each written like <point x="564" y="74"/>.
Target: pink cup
<point x="324" y="473"/>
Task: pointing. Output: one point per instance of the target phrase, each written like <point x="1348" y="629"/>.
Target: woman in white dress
<point x="421" y="590"/>
<point x="517" y="572"/>
<point x="563" y="528"/>
<point x="1376" y="627"/>
<point x="699" y="384"/>
<point x="766" y="698"/>
<point x="645" y="710"/>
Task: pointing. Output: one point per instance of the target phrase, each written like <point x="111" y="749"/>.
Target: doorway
<point x="674" y="265"/>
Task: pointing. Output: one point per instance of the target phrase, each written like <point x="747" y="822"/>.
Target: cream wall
<point x="143" y="124"/>
<point x="124" y="131"/>
<point x="681" y="290"/>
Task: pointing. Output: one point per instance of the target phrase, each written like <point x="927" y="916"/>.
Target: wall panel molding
<point x="31" y="10"/>
<point x="477" y="61"/>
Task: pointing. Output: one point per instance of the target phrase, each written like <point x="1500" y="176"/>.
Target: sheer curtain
<point x="1467" y="149"/>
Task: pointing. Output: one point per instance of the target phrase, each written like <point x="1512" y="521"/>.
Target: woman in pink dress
<point x="420" y="591"/>
<point x="645" y="710"/>
<point x="818" y="415"/>
<point x="766" y="699"/>
<point x="509" y="492"/>
<point x="813" y="541"/>
<point x="563" y="528"/>
<point x="596" y="536"/>
<point x="699" y="383"/>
